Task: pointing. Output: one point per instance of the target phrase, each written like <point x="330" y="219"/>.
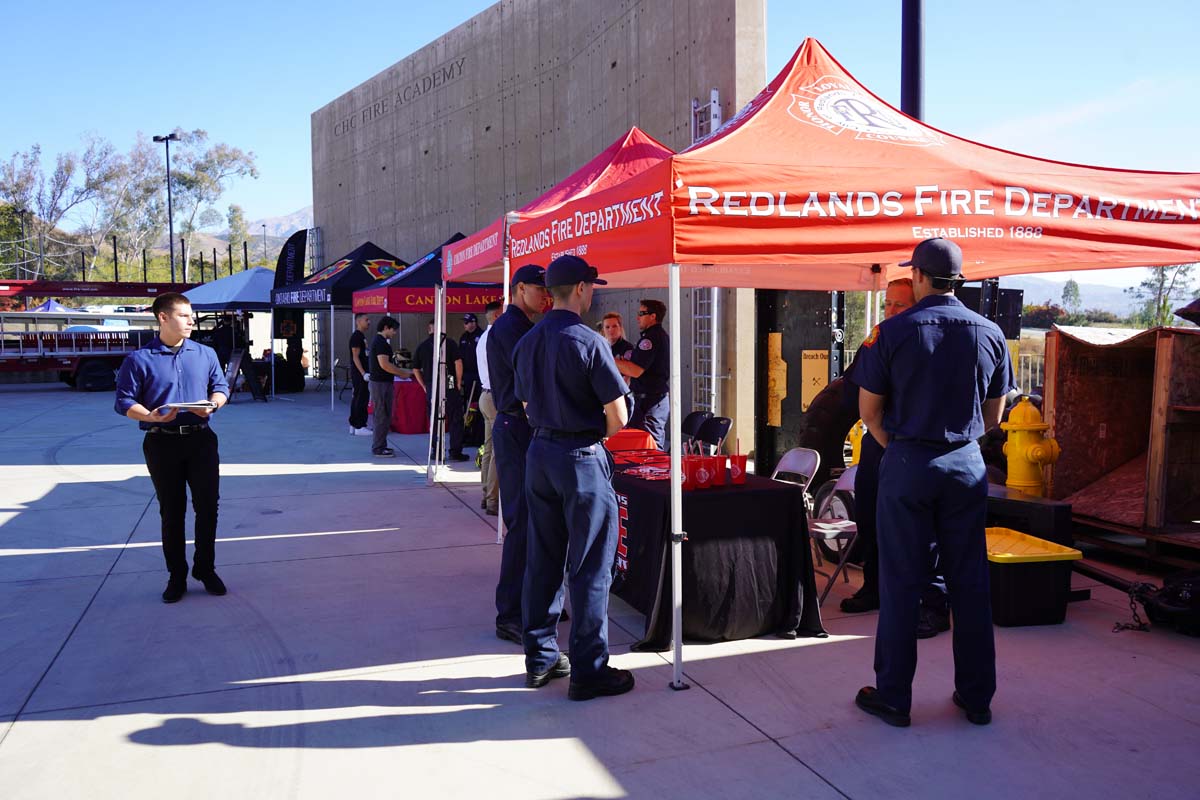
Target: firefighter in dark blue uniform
<point x="932" y="380"/>
<point x="649" y="368"/>
<point x="575" y="398"/>
<point x="510" y="436"/>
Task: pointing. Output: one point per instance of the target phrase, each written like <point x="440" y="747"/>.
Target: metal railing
<point x="42" y="344"/>
<point x="1030" y="372"/>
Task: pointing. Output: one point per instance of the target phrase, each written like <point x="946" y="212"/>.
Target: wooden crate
<point x="1125" y="409"/>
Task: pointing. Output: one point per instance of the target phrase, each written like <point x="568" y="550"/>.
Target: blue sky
<point x="1103" y="83"/>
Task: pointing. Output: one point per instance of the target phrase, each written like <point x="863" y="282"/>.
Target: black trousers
<point x="179" y="463"/>
<point x="453" y="421"/>
<point x="358" y="403"/>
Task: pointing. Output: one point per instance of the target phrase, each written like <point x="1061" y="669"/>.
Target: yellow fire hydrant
<point x="1028" y="449"/>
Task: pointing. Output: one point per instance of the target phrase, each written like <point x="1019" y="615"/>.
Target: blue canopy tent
<point x="52" y="306"/>
<point x="249" y="290"/>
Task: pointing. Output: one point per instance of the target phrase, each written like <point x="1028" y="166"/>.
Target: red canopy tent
<point x="483" y="255"/>
<point x="817" y="180"/>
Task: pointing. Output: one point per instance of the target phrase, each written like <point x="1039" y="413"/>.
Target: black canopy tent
<point x="333" y="287"/>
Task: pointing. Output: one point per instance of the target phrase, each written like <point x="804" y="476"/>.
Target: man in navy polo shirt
<point x="180" y="448"/>
<point x="575" y="398"/>
<point x="510" y="435"/>
<point x="649" y="368"/>
<point x="931" y="381"/>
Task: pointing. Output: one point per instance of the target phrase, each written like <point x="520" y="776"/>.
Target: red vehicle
<point x="84" y="356"/>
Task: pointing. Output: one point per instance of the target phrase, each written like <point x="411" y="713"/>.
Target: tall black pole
<point x="216" y="267"/>
<point x="202" y="266"/>
<point x="183" y="256"/>
<point x="245" y="256"/>
<point x="170" y="214"/>
<point x="116" y="273"/>
<point x="912" y="60"/>
<point x="145" y="268"/>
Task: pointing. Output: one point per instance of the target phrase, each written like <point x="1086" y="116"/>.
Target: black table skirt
<point x="747" y="563"/>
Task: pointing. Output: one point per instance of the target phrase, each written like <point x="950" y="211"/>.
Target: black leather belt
<point x="181" y="430"/>
<point x="549" y="433"/>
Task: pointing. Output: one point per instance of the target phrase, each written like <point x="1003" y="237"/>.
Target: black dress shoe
<point x="492" y="512"/>
<point x="212" y="583"/>
<point x="509" y="632"/>
<point x="868" y="700"/>
<point x="931" y="623"/>
<point x="983" y="717"/>
<point x="483" y="503"/>
<point x="610" y="682"/>
<point x="176" y="587"/>
<point x="459" y="456"/>
<point x="860" y="602"/>
<point x="561" y="669"/>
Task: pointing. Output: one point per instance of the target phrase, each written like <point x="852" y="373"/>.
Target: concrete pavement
<point x="354" y="655"/>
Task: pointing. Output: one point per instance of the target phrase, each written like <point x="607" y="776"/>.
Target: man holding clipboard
<point x="171" y="386"/>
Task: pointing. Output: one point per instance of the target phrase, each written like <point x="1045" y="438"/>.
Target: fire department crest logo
<point x="330" y="271"/>
<point x="380" y="268"/>
<point x="837" y="105"/>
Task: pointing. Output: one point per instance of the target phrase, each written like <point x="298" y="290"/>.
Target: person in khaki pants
<point x="488" y="477"/>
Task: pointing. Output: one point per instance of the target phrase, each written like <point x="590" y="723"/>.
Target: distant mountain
<point x="1091" y="295"/>
<point x="285" y="226"/>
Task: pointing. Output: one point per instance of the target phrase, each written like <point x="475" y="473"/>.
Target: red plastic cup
<point x="704" y="472"/>
<point x="737" y="469"/>
<point x="689" y="472"/>
<point x="717" y="467"/>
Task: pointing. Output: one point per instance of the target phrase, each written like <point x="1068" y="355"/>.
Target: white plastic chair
<point x="805" y="461"/>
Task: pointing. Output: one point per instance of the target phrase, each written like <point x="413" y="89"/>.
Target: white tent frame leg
<point x="436" y="384"/>
<point x="677" y="535"/>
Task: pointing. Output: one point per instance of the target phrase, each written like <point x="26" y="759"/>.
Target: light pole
<point x="264" y="227"/>
<point x="166" y="140"/>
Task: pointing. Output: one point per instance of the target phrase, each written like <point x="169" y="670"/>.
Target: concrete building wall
<point x="499" y="109"/>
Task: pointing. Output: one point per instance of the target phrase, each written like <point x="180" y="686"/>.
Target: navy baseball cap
<point x="469" y="318"/>
<point x="570" y="270"/>
<point x="531" y="274"/>
<point x="937" y="258"/>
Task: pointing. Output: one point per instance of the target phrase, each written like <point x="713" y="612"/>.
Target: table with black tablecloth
<point x="747" y="563"/>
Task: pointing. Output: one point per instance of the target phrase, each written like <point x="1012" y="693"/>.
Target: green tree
<point x="1070" y="297"/>
<point x="1159" y="291"/>
<point x="239" y="231"/>
<point x="200" y="175"/>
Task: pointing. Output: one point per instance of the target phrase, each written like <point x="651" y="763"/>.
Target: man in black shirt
<point x="649" y="369"/>
<point x="382" y="371"/>
<point x="424" y="370"/>
<point x="359" y="372"/>
<point x="470" y="386"/>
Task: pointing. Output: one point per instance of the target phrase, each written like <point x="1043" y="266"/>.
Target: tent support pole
<point x="332" y="360"/>
<point x="432" y="385"/>
<point x="272" y="352"/>
<point x="677" y="534"/>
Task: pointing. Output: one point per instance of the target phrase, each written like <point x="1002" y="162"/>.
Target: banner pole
<point x="332" y="371"/>
<point x="677" y="534"/>
<point x="272" y="352"/>
<point x="505" y="265"/>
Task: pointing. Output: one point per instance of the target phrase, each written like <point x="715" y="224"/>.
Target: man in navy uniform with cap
<point x="575" y="398"/>
<point x="649" y="368"/>
<point x="932" y="381"/>
<point x="510" y="436"/>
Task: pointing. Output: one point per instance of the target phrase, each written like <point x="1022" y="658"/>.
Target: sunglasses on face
<point x="645" y="313"/>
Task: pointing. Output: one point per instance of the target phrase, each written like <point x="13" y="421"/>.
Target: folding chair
<point x="713" y="432"/>
<point x="691" y="425"/>
<point x="805" y="462"/>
